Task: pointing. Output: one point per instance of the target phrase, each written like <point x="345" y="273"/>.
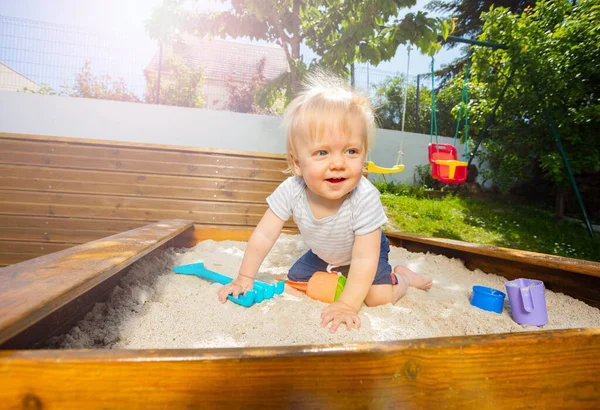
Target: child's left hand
<point x="338" y="313"/>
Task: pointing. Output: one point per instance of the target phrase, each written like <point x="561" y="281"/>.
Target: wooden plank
<point x="11" y="259"/>
<point x="31" y="290"/>
<point x="147" y="154"/>
<point x="53" y="223"/>
<point x="51" y="235"/>
<point x="32" y="248"/>
<point x="540" y="259"/>
<point x="575" y="277"/>
<point x="124" y="144"/>
<point x="556" y="369"/>
<point x="252" y="171"/>
<point x="220" y="233"/>
<point x="46" y="179"/>
<point x="60" y="230"/>
<point x="129" y="208"/>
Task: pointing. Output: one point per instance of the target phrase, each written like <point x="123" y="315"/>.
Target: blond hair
<point x="325" y="101"/>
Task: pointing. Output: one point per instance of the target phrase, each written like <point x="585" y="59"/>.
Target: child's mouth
<point x="335" y="180"/>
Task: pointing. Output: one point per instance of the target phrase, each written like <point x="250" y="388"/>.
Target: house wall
<point x="187" y="127"/>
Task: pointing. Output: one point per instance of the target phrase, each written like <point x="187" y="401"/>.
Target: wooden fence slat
<point x="53" y="223"/>
<point x="132" y="184"/>
<point x="137" y="145"/>
<point x="117" y="203"/>
<point x="54" y="235"/>
<point x="151" y="154"/>
<point x="62" y="161"/>
<point x="147" y="215"/>
<point x="32" y="248"/>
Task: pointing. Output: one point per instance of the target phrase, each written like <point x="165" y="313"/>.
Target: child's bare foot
<point x="415" y="280"/>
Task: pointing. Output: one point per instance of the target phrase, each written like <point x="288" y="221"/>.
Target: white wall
<point x="120" y="121"/>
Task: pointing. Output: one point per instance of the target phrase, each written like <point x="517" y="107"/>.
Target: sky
<point x="128" y="16"/>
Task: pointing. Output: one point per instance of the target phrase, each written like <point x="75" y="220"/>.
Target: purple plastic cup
<point x="527" y="301"/>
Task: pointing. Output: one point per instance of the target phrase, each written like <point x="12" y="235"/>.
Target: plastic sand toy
<point x="527" y="301"/>
<point x="487" y="299"/>
<point x="260" y="292"/>
<point x="324" y="286"/>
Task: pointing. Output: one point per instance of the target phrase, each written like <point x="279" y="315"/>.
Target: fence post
<point x="417" y="102"/>
<point x="160" y="53"/>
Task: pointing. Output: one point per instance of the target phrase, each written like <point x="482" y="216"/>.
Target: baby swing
<point x="399" y="167"/>
<point x="443" y="158"/>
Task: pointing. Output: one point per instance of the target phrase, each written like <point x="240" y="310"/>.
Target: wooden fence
<point x="58" y="192"/>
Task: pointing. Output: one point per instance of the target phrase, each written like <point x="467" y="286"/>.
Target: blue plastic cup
<point x="488" y="299"/>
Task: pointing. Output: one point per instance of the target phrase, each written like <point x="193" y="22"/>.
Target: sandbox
<point x="558" y="367"/>
<point x="80" y="213"/>
<point x="154" y="308"/>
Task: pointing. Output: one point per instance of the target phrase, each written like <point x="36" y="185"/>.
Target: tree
<point x="241" y="96"/>
<point x="467" y="13"/>
<point x="552" y="48"/>
<point x="181" y="85"/>
<point x="88" y="85"/>
<point x="338" y="31"/>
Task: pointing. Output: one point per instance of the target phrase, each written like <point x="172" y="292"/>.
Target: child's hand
<point x="239" y="286"/>
<point x="338" y="313"/>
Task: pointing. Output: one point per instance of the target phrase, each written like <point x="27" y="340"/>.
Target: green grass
<point x="486" y="221"/>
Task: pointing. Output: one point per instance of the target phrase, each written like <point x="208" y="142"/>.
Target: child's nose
<point x="337" y="161"/>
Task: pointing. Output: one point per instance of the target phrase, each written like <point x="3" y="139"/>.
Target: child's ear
<point x="296" y="165"/>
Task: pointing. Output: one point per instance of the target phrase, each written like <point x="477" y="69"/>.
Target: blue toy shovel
<point x="260" y="292"/>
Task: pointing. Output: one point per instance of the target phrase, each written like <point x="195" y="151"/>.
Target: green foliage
<point x="492" y="221"/>
<point x="389" y="101"/>
<point x="339" y="32"/>
<point x="88" y="85"/>
<point x="398" y="189"/>
<point x="44" y="89"/>
<point x="423" y="178"/>
<point x="240" y="96"/>
<point x="467" y="13"/>
<point x="181" y="86"/>
<point x="554" y="48"/>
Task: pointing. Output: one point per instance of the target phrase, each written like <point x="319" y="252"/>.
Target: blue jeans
<point x="309" y="263"/>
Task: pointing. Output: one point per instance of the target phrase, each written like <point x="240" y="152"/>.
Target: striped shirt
<point x="330" y="238"/>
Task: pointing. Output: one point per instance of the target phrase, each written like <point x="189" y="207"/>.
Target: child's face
<point x="333" y="166"/>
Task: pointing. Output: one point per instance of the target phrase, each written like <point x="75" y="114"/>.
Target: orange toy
<point x="324" y="286"/>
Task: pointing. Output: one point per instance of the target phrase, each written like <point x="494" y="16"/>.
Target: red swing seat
<point x="445" y="165"/>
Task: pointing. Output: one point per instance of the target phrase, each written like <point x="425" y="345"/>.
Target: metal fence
<point x="368" y="78"/>
<point x="45" y="57"/>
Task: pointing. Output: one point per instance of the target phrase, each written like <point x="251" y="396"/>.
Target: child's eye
<point x="321" y="153"/>
<point x="352" y="151"/>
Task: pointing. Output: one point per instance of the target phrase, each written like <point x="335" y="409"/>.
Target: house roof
<point x="12" y="80"/>
<point x="222" y="57"/>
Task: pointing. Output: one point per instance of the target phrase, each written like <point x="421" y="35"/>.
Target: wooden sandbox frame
<point x="47" y="294"/>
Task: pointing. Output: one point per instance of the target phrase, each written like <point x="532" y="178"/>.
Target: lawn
<point x="488" y="221"/>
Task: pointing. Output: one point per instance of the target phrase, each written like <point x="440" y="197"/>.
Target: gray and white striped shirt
<point x="330" y="238"/>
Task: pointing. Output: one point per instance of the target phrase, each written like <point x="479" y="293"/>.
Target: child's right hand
<point x="237" y="287"/>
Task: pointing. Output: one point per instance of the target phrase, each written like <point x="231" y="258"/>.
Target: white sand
<point x="156" y="308"/>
